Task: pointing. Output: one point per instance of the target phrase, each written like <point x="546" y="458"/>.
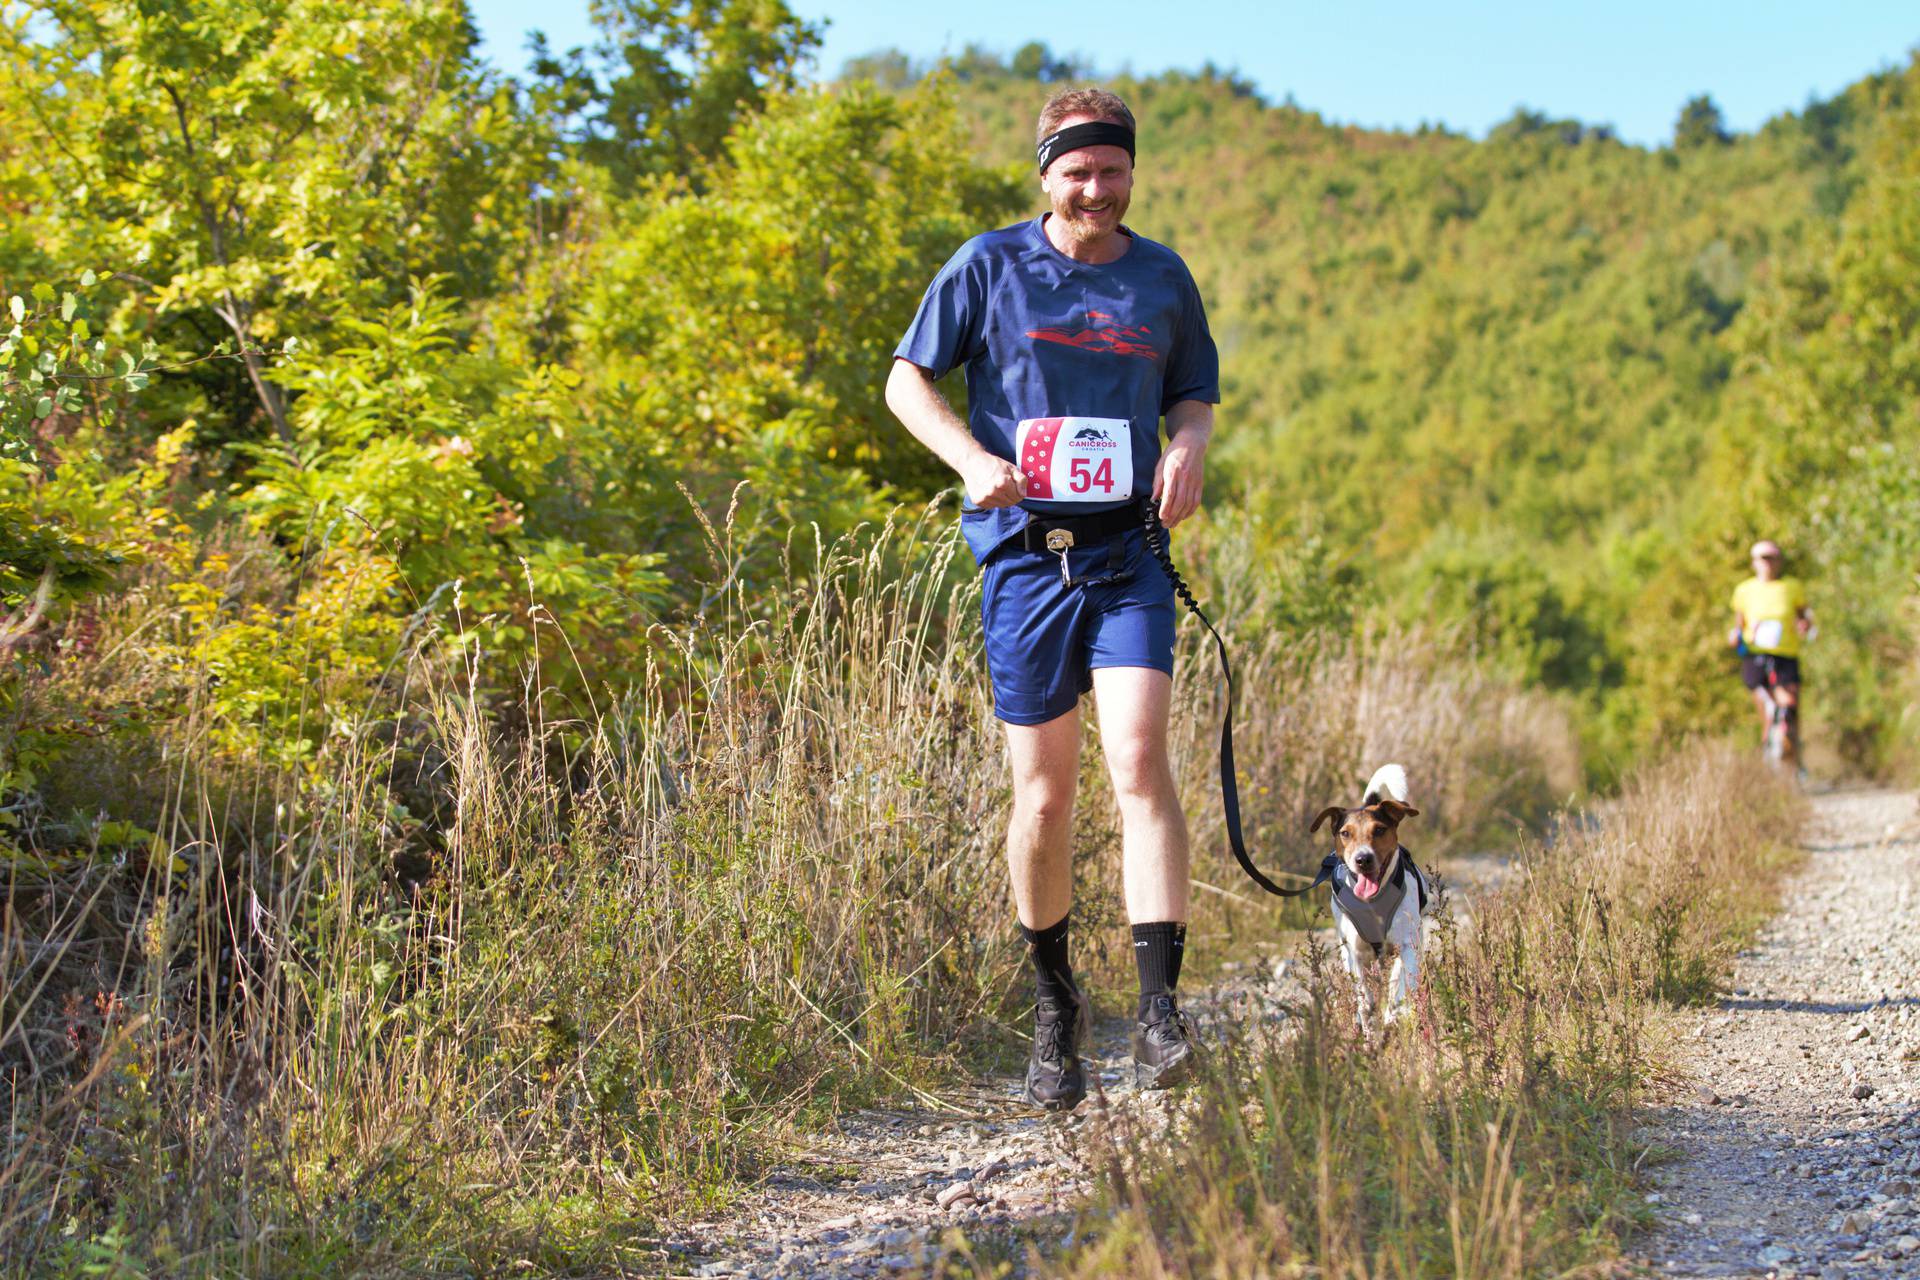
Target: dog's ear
<point x="1332" y="813"/>
<point x="1395" y="812"/>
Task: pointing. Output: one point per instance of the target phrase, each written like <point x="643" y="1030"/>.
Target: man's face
<point x="1766" y="566"/>
<point x="1089" y="188"/>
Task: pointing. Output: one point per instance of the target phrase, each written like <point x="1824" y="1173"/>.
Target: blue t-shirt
<point x="1044" y="336"/>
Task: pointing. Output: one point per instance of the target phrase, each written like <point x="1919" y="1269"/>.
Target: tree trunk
<point x="237" y="315"/>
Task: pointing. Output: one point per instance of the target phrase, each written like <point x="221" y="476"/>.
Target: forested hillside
<point x="1548" y="384"/>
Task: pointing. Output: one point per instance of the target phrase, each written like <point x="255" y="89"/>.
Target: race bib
<point x="1077" y="459"/>
<point x="1767" y="633"/>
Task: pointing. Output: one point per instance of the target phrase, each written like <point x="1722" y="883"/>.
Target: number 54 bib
<point x="1077" y="459"/>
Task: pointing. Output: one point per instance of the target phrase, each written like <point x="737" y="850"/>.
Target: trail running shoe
<point x="1055" y="1079"/>
<point x="1163" y="1047"/>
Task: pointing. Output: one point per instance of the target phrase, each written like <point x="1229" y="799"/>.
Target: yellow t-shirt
<point x="1769" y="610"/>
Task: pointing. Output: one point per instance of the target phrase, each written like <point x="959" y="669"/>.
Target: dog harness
<point x="1373" y="917"/>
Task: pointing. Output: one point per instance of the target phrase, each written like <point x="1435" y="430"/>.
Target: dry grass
<point x="471" y="997"/>
<point x="1493" y="1137"/>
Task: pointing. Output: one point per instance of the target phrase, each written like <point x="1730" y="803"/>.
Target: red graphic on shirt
<point x="1036" y="458"/>
<point x="1115" y="341"/>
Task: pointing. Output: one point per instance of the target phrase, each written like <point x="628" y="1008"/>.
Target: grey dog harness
<point x="1372" y="917"/>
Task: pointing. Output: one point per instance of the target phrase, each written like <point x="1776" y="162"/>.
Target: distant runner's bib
<point x="1767" y="633"/>
<point x="1077" y="459"/>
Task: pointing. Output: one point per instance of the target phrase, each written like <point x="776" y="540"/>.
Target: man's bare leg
<point x="1788" y="696"/>
<point x="1134" y="703"/>
<point x="1046" y="766"/>
<point x="1763" y="703"/>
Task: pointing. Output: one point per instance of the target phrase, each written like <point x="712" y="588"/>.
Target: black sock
<point x="1047" y="948"/>
<point x="1157" y="949"/>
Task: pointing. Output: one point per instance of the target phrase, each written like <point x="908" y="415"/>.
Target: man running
<point x="1077" y="336"/>
<point x="1771" y="618"/>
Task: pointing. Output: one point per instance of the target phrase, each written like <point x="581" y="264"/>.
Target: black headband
<point x="1094" y="133"/>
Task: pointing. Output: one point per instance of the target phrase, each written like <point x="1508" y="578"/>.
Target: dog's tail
<point x="1389" y="783"/>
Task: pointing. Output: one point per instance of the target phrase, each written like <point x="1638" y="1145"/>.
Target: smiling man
<point x="1078" y="338"/>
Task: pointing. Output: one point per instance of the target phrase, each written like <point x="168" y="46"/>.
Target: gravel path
<point x="1795" y="1147"/>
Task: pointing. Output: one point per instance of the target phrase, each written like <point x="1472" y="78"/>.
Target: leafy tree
<point x="659" y="93"/>
<point x="447" y="466"/>
<point x="268" y="163"/>
<point x="976" y="62"/>
<point x="888" y="68"/>
<point x="766" y="307"/>
<point x="1035" y="61"/>
<point x="53" y="370"/>
<point x="1700" y="125"/>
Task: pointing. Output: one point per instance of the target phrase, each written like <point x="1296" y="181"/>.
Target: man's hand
<point x="1178" y="480"/>
<point x="1182" y="470"/>
<point x="993" y="482"/>
<point x="989" y="481"/>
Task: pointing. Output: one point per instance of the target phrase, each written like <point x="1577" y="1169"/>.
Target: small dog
<point x="1379" y="894"/>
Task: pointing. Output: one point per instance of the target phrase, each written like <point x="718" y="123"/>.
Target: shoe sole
<point x="1177" y="1072"/>
<point x="1058" y="1107"/>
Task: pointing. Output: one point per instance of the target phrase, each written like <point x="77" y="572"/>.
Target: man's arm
<point x="1181" y="475"/>
<point x="990" y="481"/>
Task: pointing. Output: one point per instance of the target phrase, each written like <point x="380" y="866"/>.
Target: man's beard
<point x="1081" y="228"/>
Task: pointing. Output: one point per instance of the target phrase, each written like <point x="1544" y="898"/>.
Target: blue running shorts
<point x="1044" y="638"/>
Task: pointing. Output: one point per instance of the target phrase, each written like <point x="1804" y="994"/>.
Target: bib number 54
<point x="1086" y="476"/>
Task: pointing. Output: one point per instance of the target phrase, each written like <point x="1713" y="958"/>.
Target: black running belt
<point x="1086" y="530"/>
<point x="1229" y="785"/>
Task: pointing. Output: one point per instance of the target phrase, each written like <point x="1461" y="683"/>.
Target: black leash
<point x="1229" y="785"/>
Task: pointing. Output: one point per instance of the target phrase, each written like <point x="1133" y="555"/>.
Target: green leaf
<point x="87" y="278"/>
<point x="43" y="406"/>
<point x="43" y="292"/>
<point x="17" y="307"/>
<point x="67" y="304"/>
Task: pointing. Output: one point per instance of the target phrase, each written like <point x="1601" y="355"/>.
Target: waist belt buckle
<point x="1059" y="541"/>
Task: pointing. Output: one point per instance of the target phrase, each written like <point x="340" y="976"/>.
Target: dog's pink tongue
<point x="1365" y="886"/>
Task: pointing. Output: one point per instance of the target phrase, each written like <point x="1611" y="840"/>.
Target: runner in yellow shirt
<point x="1771" y="619"/>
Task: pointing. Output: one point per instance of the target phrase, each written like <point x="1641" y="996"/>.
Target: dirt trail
<point x="1798" y="1138"/>
<point x="877" y="1196"/>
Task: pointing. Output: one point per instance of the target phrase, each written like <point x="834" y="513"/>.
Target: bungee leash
<point x="1229" y="784"/>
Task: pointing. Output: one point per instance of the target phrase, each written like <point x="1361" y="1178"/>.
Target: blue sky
<point x="1630" y="63"/>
